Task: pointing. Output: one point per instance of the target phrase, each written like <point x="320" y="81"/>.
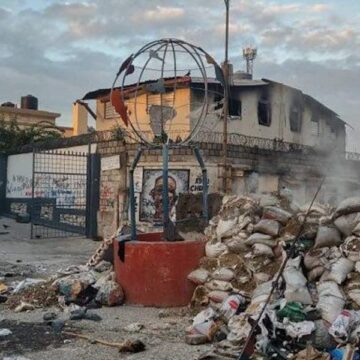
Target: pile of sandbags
<point x="248" y="241"/>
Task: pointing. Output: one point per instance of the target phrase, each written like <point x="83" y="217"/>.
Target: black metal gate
<point x="61" y="194"/>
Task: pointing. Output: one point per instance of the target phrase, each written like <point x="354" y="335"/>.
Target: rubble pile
<point x="84" y="286"/>
<point x="317" y="297"/>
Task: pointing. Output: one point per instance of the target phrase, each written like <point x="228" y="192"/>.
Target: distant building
<point x="28" y="114"/>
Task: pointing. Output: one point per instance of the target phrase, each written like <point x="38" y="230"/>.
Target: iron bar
<point x="132" y="195"/>
<point x="205" y="183"/>
<point x="226" y="98"/>
<point x="165" y="186"/>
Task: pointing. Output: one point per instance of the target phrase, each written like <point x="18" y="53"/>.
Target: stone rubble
<point x="247" y="243"/>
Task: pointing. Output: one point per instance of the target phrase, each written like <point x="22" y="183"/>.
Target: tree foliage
<point x="13" y="136"/>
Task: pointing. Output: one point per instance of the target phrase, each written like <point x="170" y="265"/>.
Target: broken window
<point x="264" y="112"/>
<point x="234" y="107"/>
<point x="315" y="124"/>
<point x="295" y="119"/>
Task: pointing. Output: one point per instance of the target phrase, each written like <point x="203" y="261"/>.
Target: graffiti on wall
<point x="107" y="197"/>
<point x="151" y="209"/>
<point x="19" y="186"/>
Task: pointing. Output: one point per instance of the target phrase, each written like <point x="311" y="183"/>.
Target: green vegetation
<point x="13" y="136"/>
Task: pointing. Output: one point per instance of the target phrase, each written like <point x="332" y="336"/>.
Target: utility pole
<point x="226" y="98"/>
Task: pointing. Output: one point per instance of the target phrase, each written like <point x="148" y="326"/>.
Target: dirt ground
<point x="163" y="329"/>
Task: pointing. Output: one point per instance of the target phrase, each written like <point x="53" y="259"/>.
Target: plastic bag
<point x="315" y="273"/>
<point x="344" y="325"/>
<point x="203" y="322"/>
<point x="327" y="237"/>
<point x="297" y="330"/>
<point x="269" y="227"/>
<point x="198" y="276"/>
<point x="230" y="306"/>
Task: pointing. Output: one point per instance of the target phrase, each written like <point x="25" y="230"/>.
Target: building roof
<point x="103" y="93"/>
<point x="35" y="113"/>
<point x="92" y="95"/>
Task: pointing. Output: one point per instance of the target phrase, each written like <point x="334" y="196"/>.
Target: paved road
<point x="49" y="254"/>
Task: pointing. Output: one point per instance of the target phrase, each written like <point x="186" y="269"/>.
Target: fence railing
<point x="214" y="137"/>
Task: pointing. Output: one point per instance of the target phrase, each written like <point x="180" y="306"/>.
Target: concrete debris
<point x="134" y="328"/>
<point x="110" y="294"/>
<point x="23" y="306"/>
<point x="247" y="242"/>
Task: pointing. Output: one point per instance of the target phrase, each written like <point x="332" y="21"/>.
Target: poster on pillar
<point x="151" y="207"/>
<point x="196" y="180"/>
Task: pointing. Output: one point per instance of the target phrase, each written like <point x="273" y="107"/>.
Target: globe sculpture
<point x="151" y="91"/>
<point x="162" y="95"/>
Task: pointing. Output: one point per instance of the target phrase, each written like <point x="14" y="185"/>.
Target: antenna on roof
<point x="249" y="54"/>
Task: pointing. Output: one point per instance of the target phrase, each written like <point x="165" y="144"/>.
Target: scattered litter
<point x="134" y="328"/>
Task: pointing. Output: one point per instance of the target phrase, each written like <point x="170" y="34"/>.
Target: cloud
<point x="161" y="13"/>
<point x="60" y="50"/>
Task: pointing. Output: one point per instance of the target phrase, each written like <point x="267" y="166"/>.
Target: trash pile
<point x="84" y="286"/>
<point x="317" y="298"/>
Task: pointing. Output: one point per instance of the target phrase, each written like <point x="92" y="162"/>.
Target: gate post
<point x="93" y="195"/>
<point x="3" y="180"/>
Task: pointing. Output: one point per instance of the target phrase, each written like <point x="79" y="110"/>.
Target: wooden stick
<point x="125" y="346"/>
<point x="86" y="337"/>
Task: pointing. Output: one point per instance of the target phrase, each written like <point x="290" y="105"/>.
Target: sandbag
<point x="237" y="243"/>
<point x="224" y="227"/>
<point x="261" y="293"/>
<point x="269" y="227"/>
<point x="354" y="295"/>
<point x="218" y="296"/>
<point x="296" y="289"/>
<point x="262" y="249"/>
<point x="331" y="300"/>
<point x="348" y="223"/>
<point x="315" y="257"/>
<point x="258" y="238"/>
<point x="223" y="274"/>
<point x="198" y="276"/>
<point x="351" y="248"/>
<point x="219" y="285"/>
<point x="315" y="273"/>
<point x="275" y="213"/>
<point x="339" y="271"/>
<point x="347" y="206"/>
<point x="327" y="236"/>
<point x="215" y="250"/>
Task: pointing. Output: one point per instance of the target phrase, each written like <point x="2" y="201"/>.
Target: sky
<point x="60" y="50"/>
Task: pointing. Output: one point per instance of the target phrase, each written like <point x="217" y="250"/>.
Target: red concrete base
<point x="155" y="271"/>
